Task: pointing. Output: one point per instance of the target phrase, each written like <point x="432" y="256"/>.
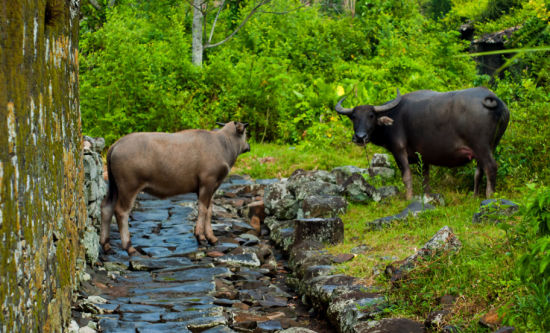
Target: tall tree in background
<point x="200" y="12"/>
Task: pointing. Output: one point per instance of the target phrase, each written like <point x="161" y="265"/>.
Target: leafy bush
<point x="531" y="309"/>
<point x="496" y="8"/>
<point x="280" y="73"/>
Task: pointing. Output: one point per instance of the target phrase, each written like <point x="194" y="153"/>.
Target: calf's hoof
<point x="107" y="248"/>
<point x="132" y="251"/>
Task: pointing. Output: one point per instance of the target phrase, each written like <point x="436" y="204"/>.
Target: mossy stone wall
<point x="42" y="211"/>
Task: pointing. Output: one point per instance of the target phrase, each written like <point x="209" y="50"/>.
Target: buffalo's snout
<point x="246" y="148"/>
<point x="360" y="138"/>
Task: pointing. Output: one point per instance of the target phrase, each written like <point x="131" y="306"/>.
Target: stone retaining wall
<point x="42" y="214"/>
<point x="95" y="189"/>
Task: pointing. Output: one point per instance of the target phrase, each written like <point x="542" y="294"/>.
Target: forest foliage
<point x="284" y="71"/>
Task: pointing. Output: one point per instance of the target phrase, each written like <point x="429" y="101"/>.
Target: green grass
<point x="481" y="275"/>
<point x="278" y="161"/>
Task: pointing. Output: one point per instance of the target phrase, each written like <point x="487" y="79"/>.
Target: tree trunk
<point x="197" y="33"/>
<point x="42" y="211"/>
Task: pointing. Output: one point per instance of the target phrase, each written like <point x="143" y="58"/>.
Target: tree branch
<point x="252" y="12"/>
<point x="190" y="2"/>
<point x="94" y="4"/>
<point x="285" y="12"/>
<point x="214" y="24"/>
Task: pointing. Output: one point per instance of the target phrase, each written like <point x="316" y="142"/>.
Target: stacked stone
<point x="95" y="189"/>
<point x="309" y="199"/>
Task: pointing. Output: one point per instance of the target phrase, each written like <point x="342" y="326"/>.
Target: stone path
<point x="179" y="286"/>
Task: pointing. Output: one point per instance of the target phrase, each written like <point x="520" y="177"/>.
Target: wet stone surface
<point x="176" y="285"/>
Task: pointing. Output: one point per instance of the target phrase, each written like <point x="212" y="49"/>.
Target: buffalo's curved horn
<point x="342" y="110"/>
<point x="389" y="105"/>
<point x="220" y="124"/>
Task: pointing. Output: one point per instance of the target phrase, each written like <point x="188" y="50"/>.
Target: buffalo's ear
<point x="240" y="127"/>
<point x="384" y="120"/>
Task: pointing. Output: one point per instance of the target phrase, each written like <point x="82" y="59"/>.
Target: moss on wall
<point x="42" y="212"/>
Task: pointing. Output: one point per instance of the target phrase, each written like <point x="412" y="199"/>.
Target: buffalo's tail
<point x="501" y="114"/>
<point x="490" y="102"/>
<point x="112" y="192"/>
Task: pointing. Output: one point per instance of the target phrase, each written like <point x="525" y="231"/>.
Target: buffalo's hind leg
<point x="477" y="178"/>
<point x="208" y="225"/>
<point x="205" y="198"/>
<point x="107" y="211"/>
<point x="491" y="174"/>
<point x="487" y="163"/>
<point x="122" y="212"/>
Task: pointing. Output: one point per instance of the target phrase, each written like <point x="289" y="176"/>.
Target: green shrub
<point x="531" y="308"/>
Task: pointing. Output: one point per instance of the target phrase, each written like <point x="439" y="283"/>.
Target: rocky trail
<point x="176" y="285"/>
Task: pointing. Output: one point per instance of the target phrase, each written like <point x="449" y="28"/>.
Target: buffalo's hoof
<point x="107" y="249"/>
<point x="201" y="240"/>
<point x="212" y="240"/>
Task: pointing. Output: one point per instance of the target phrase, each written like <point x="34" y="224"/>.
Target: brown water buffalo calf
<point x="167" y="164"/>
<point x="446" y="129"/>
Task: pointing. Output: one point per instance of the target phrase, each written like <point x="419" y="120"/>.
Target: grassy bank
<point x="483" y="276"/>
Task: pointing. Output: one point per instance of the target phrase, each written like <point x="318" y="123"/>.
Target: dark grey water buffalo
<point x="167" y="164"/>
<point x="446" y="129"/>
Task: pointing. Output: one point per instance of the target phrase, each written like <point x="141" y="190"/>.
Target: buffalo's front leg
<point x="205" y="198"/>
<point x="426" y="176"/>
<point x="403" y="164"/>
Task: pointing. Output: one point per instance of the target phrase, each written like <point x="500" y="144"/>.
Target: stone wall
<point x="42" y="213"/>
<point x="94" y="191"/>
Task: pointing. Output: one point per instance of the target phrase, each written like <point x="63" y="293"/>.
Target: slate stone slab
<point x="188" y="288"/>
<point x="164" y="327"/>
<point x="441" y="242"/>
<point x="150" y="215"/>
<point x="322" y="206"/>
<point x="413" y="209"/>
<point x="194" y="274"/>
<point x="270" y="326"/>
<point x="358" y="189"/>
<point x="325" y="230"/>
<point x="246" y="259"/>
<point x="145" y="205"/>
<point x="280" y="202"/>
<point x="495" y="210"/>
<point x="344" y="172"/>
<point x="390" y="325"/>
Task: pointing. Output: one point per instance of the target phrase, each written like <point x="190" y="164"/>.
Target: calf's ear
<point x="384" y="120"/>
<point x="240" y="127"/>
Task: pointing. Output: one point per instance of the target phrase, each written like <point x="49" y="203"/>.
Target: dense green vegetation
<point x="284" y="71"/>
